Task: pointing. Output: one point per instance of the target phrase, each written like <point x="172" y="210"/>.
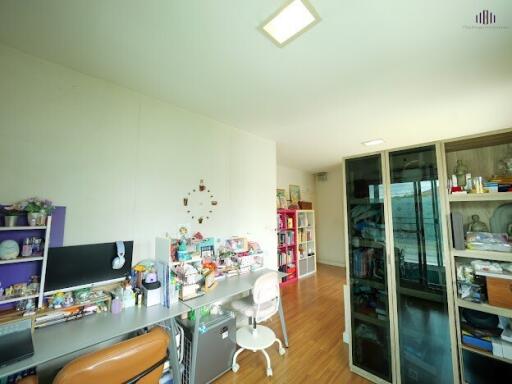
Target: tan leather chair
<point x="140" y="359"/>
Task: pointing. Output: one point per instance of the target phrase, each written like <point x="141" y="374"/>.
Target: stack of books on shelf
<point x="286" y="258"/>
<point x="286" y="238"/>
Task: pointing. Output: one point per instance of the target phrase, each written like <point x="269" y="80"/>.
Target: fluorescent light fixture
<point x="295" y="17"/>
<point x="373" y="142"/>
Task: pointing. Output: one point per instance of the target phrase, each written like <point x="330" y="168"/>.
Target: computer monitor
<point x="82" y="266"/>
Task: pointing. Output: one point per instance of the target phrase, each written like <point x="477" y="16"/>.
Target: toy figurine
<point x="139" y="270"/>
<point x="68" y="300"/>
<point x="58" y="300"/>
<point x="33" y="286"/>
<point x="183" y="251"/>
<point x="1" y="290"/>
<point x="128" y="295"/>
<point x="30" y="306"/>
<point x="476" y="225"/>
<point x="460" y="172"/>
<point x="82" y="295"/>
<point x="151" y="277"/>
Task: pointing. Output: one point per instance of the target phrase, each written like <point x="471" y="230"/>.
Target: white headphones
<point x="119" y="260"/>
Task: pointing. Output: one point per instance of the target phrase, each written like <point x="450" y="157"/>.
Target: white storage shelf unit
<point x="306" y="242"/>
<point x="481" y="155"/>
<point x="43" y="232"/>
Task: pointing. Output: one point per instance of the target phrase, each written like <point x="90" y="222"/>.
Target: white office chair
<point x="263" y="304"/>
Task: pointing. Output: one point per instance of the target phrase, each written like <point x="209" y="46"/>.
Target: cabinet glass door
<point x="423" y="325"/>
<point x="367" y="266"/>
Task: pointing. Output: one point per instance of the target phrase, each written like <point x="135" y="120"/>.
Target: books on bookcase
<point x="286" y="244"/>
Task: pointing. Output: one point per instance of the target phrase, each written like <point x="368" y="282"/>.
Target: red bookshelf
<point x="286" y="249"/>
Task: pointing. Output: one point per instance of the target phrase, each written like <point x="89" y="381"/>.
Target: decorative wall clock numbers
<point x="200" y="203"/>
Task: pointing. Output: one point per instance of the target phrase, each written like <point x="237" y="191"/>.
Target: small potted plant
<point x="37" y="210"/>
<point x="11" y="214"/>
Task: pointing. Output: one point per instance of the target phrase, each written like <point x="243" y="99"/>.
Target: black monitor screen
<point x="84" y="264"/>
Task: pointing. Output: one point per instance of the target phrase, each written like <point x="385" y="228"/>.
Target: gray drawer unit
<point x="215" y="349"/>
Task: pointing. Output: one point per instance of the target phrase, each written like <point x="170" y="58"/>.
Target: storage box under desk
<point x="499" y="292"/>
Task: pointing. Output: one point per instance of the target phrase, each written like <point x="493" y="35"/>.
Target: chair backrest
<point x="140" y="357"/>
<point x="266" y="295"/>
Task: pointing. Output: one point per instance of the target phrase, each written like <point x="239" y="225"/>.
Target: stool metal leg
<point x="267" y="357"/>
<point x="282" y="351"/>
<point x="235" y="367"/>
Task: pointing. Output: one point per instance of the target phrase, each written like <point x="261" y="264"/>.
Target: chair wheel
<point x="269" y="371"/>
<point x="235" y="368"/>
<point x="282" y="351"/>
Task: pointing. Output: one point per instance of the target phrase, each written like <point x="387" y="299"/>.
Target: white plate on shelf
<point x="501" y="218"/>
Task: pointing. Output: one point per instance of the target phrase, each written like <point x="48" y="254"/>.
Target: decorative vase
<point x="10" y="221"/>
<point x="41" y="219"/>
<point x="36" y="218"/>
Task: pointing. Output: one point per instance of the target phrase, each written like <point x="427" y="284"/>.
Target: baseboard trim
<point x="333" y="263"/>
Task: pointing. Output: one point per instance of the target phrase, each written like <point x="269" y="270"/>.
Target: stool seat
<point x="255" y="339"/>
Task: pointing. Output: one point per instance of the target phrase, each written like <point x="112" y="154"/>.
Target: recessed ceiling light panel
<point x="373" y="142"/>
<point x="294" y="18"/>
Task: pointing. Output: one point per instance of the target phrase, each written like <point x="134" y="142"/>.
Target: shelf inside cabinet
<point x="370" y="319"/>
<point x="495" y="196"/>
<point x="483" y="307"/>
<point x="487" y="255"/>
<point x="21" y="260"/>
<point x="23" y="228"/>
<point x="485" y="353"/>
<point x="368" y="282"/>
<point x="499" y="275"/>
<point x="18" y="298"/>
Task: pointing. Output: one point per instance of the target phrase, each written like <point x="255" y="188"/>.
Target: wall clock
<point x="200" y="203"/>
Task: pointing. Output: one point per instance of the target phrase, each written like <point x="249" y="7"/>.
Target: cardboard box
<point x="499" y="292"/>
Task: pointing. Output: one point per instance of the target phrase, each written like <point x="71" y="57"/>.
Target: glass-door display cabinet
<point x="371" y="340"/>
<point x="401" y="327"/>
<point x="422" y="302"/>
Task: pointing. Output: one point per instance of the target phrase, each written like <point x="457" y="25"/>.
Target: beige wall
<point x="329" y="218"/>
<point x="121" y="162"/>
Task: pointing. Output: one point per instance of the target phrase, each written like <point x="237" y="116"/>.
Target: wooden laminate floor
<point x="315" y="320"/>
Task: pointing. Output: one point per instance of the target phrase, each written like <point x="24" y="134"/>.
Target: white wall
<point x="122" y="162"/>
<point x="329" y="218"/>
<point x="306" y="181"/>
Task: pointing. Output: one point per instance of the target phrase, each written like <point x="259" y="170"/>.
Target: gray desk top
<point x="227" y="287"/>
<point x="59" y="340"/>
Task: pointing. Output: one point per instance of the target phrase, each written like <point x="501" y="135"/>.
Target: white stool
<point x="263" y="304"/>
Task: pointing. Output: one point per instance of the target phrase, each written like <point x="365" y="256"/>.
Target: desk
<point x="60" y="340"/>
<point x="226" y="288"/>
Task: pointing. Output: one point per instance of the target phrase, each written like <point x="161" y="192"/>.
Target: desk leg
<point x="195" y="341"/>
<point x="283" y="322"/>
<point x="175" y="364"/>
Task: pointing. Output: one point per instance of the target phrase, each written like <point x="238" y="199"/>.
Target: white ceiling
<point x="405" y="71"/>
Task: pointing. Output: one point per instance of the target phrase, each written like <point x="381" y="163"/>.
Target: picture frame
<point x="294" y="193"/>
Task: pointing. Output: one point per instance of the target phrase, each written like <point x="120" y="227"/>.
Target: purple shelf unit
<point x="21" y="272"/>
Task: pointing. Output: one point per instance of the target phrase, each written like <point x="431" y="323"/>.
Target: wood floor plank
<point x="315" y="319"/>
